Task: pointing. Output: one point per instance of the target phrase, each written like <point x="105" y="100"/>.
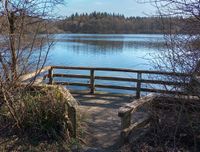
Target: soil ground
<point x="100" y="111"/>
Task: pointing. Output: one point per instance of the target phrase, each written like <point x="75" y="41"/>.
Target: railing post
<point x="126" y="120"/>
<point x="139" y="77"/>
<point x="125" y="123"/>
<point x="50" y="75"/>
<point x="92" y="78"/>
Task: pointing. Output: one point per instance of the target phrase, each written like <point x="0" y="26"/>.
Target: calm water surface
<point x="105" y="50"/>
<point x="100" y="50"/>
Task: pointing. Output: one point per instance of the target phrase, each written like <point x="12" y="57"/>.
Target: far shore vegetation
<point x="111" y="23"/>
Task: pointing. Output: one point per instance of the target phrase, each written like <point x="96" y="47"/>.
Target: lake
<point x="105" y="50"/>
<point x="132" y="51"/>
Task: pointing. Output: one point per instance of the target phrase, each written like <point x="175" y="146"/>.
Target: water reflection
<point x="108" y="47"/>
<point x="111" y="37"/>
<point x="117" y="44"/>
<point x="127" y="51"/>
<point x="98" y="47"/>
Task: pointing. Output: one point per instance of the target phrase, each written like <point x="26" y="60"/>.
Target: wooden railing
<point x="126" y="112"/>
<point x="151" y="108"/>
<point x="139" y="80"/>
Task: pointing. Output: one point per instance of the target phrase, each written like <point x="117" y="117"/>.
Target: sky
<point x="125" y="7"/>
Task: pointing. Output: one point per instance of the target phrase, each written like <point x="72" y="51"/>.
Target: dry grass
<point x="44" y="125"/>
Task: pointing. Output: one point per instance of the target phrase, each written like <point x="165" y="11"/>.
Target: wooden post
<point x="139" y="77"/>
<point x="50" y="75"/>
<point x="126" y="121"/>
<point x="92" y="78"/>
<point x="72" y="117"/>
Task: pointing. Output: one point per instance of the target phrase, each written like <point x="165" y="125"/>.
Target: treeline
<point x="115" y="23"/>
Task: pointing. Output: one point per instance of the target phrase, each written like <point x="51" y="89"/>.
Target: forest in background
<point x="107" y="23"/>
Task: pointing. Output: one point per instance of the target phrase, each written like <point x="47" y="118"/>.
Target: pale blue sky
<point x="126" y="7"/>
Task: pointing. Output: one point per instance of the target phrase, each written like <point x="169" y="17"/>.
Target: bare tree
<point x="183" y="51"/>
<point x="22" y="46"/>
<point x="181" y="34"/>
<point x="181" y="54"/>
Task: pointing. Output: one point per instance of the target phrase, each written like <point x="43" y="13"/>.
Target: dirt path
<point x="101" y="115"/>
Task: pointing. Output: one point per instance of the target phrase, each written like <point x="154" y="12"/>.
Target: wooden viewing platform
<point x="101" y="109"/>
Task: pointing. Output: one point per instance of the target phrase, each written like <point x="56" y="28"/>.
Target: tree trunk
<point x="11" y="19"/>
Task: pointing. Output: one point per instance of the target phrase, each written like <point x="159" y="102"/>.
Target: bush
<point x="42" y="115"/>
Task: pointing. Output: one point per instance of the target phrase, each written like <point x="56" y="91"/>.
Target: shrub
<point x="42" y="115"/>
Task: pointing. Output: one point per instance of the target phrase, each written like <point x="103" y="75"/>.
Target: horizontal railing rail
<point x="34" y="74"/>
<point x="121" y="70"/>
<point x="138" y="79"/>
